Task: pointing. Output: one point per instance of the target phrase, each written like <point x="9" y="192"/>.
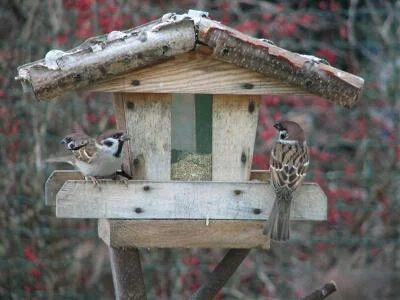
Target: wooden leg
<point x="127" y="274"/>
<point x="221" y="274"/>
<point x="233" y="116"/>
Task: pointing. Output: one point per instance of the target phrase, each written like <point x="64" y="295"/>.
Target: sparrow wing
<point x="87" y="152"/>
<point x="288" y="165"/>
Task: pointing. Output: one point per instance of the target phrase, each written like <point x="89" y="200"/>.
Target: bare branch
<point x="323" y="292"/>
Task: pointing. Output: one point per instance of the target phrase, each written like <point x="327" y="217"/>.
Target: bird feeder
<point x="153" y="71"/>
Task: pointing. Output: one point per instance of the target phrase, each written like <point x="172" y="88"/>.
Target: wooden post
<point x="234" y="130"/>
<point x="221" y="274"/>
<point x="147" y="118"/>
<point x="127" y="273"/>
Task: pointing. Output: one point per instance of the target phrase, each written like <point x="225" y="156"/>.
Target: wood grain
<point x="101" y="59"/>
<point x="57" y="179"/>
<point x="119" y="108"/>
<point x="183" y="200"/>
<point x="183" y="233"/>
<point x="148" y="122"/>
<point x="235" y="119"/>
<point x="196" y="72"/>
<point x="306" y="73"/>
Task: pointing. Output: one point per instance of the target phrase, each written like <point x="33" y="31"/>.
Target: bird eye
<point x="116" y="136"/>
<point x="283" y="135"/>
<point x="108" y="143"/>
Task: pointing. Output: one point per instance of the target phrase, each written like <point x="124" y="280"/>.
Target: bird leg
<point x="94" y="181"/>
<point x="122" y="177"/>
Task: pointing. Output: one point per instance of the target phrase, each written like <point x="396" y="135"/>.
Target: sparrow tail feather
<point x="62" y="159"/>
<point x="277" y="227"/>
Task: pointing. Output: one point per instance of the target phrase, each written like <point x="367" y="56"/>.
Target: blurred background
<point x="355" y="155"/>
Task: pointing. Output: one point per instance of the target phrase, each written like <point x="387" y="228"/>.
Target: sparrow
<point x="77" y="139"/>
<point x="288" y="165"/>
<point x="101" y="157"/>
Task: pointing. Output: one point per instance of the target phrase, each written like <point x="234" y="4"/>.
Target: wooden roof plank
<point x="303" y="71"/>
<point x="101" y="59"/>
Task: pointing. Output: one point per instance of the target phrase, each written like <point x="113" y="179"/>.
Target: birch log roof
<point x="176" y="40"/>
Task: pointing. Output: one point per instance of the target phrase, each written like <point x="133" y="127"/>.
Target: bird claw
<point x="124" y="181"/>
<point x="121" y="179"/>
<point x="94" y="180"/>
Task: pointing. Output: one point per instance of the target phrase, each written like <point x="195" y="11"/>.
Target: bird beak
<point x="279" y="126"/>
<point x="124" y="137"/>
<point x="62" y="141"/>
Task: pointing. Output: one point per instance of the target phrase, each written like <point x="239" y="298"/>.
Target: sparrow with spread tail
<point x="288" y="165"/>
<point x="101" y="157"/>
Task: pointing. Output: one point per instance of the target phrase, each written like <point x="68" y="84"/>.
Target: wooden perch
<point x="300" y="70"/>
<point x="117" y="54"/>
<point x="323" y="292"/>
<point x="183" y="200"/>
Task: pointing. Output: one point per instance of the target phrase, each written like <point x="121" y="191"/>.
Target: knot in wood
<point x="77" y="77"/>
<point x="248" y="86"/>
<point x="165" y="49"/>
<point x="237" y="192"/>
<point x="243" y="158"/>
<point x="130" y="105"/>
<point x="143" y="36"/>
<point x="138" y="210"/>
<point x="225" y="51"/>
<point x="135" y="82"/>
<point x="126" y="59"/>
<point x="257" y="211"/>
<point x="252" y="107"/>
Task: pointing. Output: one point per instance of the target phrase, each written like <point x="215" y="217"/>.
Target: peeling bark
<point x="98" y="60"/>
<point x="312" y="75"/>
<point x="105" y="57"/>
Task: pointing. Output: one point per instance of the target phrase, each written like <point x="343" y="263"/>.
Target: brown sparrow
<point x="101" y="157"/>
<point x="288" y="165"/>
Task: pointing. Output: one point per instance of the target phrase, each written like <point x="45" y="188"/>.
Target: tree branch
<point x="323" y="292"/>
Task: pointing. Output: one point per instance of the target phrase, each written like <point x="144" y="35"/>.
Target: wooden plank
<point x="147" y="118"/>
<point x="304" y="71"/>
<point x="196" y="72"/>
<point x="183" y="233"/>
<point x="235" y="119"/>
<point x="127" y="273"/>
<point x="119" y="108"/>
<point x="234" y="127"/>
<point x="56" y="181"/>
<point x="106" y="56"/>
<point x="148" y="121"/>
<point x="183" y="200"/>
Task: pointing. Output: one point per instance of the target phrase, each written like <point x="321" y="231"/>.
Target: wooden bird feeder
<point x="145" y="68"/>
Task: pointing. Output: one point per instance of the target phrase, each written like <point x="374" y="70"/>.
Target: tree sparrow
<point x="99" y="157"/>
<point x="288" y="165"/>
